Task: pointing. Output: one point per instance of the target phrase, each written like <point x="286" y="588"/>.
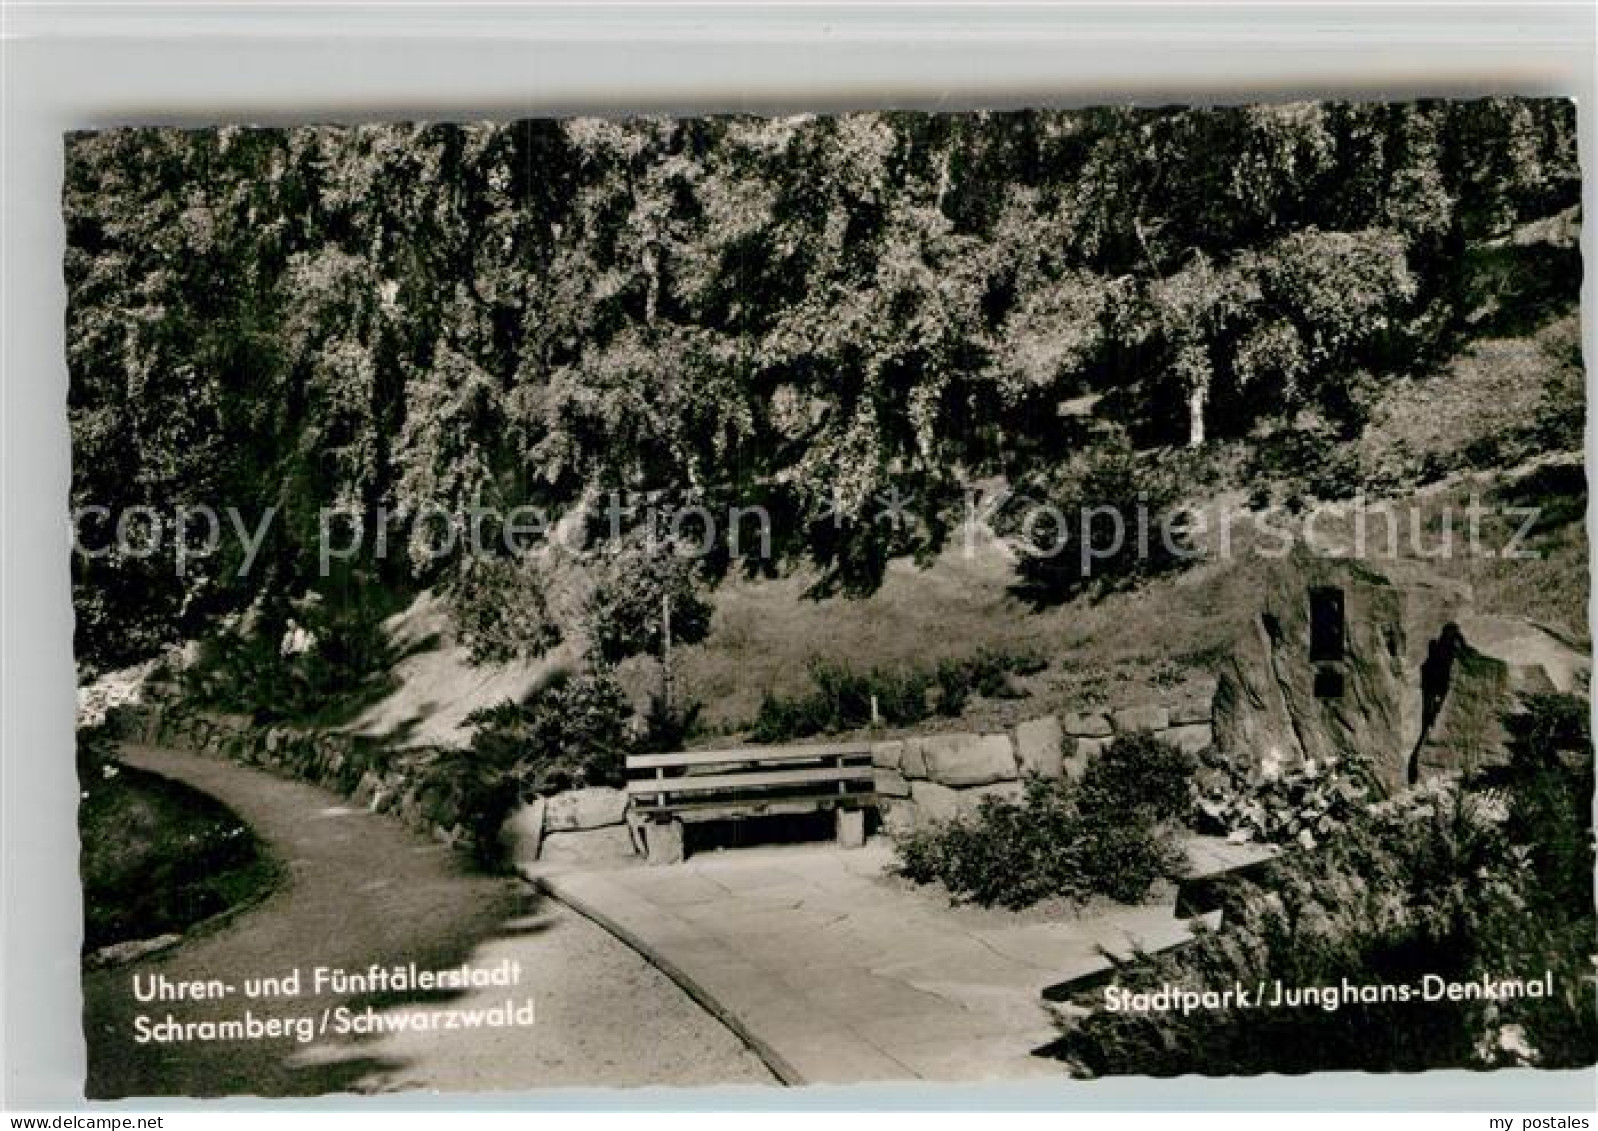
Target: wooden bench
<point x="668" y="790"/>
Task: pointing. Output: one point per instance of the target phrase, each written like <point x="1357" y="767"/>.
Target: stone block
<point x="888" y="755"/>
<point x="891" y="783"/>
<point x="663" y="841"/>
<point x="1089" y="748"/>
<point x="898" y="817"/>
<point x="1190" y="739"/>
<point x="594" y="807"/>
<point x="934" y="802"/>
<point x="969" y="759"/>
<point x="522" y="835"/>
<point x="1150" y="717"/>
<point x="851" y="827"/>
<point x="1192" y="710"/>
<point x="1087" y="726"/>
<point x="1037" y="747"/>
<point x="912" y="759"/>
<point x="589" y="847"/>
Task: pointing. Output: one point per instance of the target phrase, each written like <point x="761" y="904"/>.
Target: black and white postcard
<point x="813" y="599"/>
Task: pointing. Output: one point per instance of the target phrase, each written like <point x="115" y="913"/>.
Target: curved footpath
<point x="361" y="889"/>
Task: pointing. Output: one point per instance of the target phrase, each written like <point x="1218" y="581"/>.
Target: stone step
<point x="1213" y="862"/>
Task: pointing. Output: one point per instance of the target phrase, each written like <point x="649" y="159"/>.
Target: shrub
<point x="841" y="700"/>
<point x="1109" y="836"/>
<point x="1010" y="853"/>
<point x="1087" y="495"/>
<point x="668" y="728"/>
<point x="782" y="719"/>
<point x="989" y="673"/>
<point x="842" y="696"/>
<point x="624" y="611"/>
<point x="956" y="681"/>
<point x="1143" y="772"/>
<point x="500" y="610"/>
<point x="483" y="793"/>
<point x="1550" y="777"/>
<point x="247" y="668"/>
<point x="571" y="733"/>
<point x="1307" y="460"/>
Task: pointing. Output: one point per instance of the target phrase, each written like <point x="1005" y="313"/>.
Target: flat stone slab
<point x="1212" y="863"/>
<point x="1209" y="856"/>
<point x="836" y="972"/>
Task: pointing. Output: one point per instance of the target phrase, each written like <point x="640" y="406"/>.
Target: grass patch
<point x="158" y="857"/>
<point x="1496" y="403"/>
<point x="842" y="698"/>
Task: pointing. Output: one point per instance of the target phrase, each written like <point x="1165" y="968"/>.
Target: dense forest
<point x="800" y="312"/>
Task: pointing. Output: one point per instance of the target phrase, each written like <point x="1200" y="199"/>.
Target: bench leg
<point x="663" y="841"/>
<point x="851" y="827"/>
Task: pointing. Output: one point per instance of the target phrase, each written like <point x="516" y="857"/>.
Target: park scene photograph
<point x="1004" y="595"/>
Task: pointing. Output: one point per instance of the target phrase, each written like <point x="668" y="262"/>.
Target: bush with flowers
<point x="1460" y="882"/>
<point x="1277" y="803"/>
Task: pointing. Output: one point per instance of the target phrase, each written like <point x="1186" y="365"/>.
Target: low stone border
<point x="418" y="785"/>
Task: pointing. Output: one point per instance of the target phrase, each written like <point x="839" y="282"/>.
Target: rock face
<point x="587" y="847"/>
<point x="934" y="802"/>
<point x="1273" y="701"/>
<point x="1190" y="738"/>
<point x="1088" y="726"/>
<point x="887" y="755"/>
<point x="899" y="816"/>
<point x="1345" y="662"/>
<point x="1481" y="668"/>
<point x="1194" y="707"/>
<point x="891" y="783"/>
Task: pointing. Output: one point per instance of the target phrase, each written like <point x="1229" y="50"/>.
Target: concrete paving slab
<point x="836" y="972"/>
<point x="670" y="887"/>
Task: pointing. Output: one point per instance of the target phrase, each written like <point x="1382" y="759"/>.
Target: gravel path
<point x="362" y="889"/>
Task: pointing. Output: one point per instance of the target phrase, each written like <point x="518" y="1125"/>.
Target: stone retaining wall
<point x="918" y="779"/>
<point x="936" y="777"/>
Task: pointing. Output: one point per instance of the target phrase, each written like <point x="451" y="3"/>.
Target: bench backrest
<point x="753" y="776"/>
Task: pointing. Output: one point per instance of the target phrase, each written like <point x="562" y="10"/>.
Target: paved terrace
<point x="837" y="972"/>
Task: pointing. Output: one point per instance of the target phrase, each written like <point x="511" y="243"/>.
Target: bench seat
<point x="668" y="790"/>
